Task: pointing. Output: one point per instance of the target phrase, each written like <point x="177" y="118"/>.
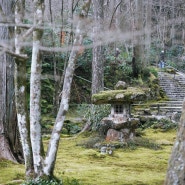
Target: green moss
<point x="92" y="154"/>
<point x="131" y="94"/>
<point x="170" y="70"/>
<point x="75" y="164"/>
<point x="139" y="166"/>
<point x="11" y="173"/>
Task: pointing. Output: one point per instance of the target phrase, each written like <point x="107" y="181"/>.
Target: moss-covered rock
<point x="121" y="85"/>
<point x="170" y="70"/>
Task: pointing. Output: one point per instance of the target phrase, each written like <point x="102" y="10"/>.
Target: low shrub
<point x="95" y="113"/>
<point x="43" y="181"/>
<point x="163" y="124"/>
<point x="135" y="144"/>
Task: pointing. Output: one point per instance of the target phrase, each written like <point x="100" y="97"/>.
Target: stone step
<point x="169" y="109"/>
<point x="171" y="85"/>
<point x="159" y="109"/>
<point x="171" y="101"/>
<point x="167" y="84"/>
<point x="175" y="97"/>
<point x="173" y="90"/>
<point x="175" y="93"/>
<point x="181" y="96"/>
<point x="167" y="105"/>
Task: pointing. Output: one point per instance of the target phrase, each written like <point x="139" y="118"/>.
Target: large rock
<point x="118" y="129"/>
<point x="121" y="85"/>
<point x="122" y="135"/>
<point x="114" y="135"/>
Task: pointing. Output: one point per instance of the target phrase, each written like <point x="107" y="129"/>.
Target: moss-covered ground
<point x="80" y="165"/>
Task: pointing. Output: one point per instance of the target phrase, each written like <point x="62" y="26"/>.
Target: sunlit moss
<point x="11" y="173"/>
<point x="88" y="167"/>
<point x="140" y="166"/>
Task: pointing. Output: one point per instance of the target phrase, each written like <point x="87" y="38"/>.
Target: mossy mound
<point x="129" y="95"/>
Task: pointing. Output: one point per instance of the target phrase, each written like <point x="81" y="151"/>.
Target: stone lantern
<point x="119" y="125"/>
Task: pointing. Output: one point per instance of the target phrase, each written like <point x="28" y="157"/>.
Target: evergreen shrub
<point x="43" y="181"/>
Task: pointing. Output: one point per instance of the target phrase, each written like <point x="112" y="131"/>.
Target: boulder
<point x="114" y="135"/>
<point x="118" y="129"/>
<point x="122" y="135"/>
<point x="121" y="85"/>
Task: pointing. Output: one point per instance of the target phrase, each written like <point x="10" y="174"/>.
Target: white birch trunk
<point x="35" y="90"/>
<point x="64" y="105"/>
<point x="20" y="91"/>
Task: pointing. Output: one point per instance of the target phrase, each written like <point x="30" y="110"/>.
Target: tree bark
<point x="148" y="29"/>
<point x="98" y="58"/>
<point x="35" y="90"/>
<point x="137" y="61"/>
<point x="20" y="91"/>
<point x="9" y="137"/>
<point x="172" y="35"/>
<point x="176" y="167"/>
<point x="8" y="124"/>
<point x="50" y="159"/>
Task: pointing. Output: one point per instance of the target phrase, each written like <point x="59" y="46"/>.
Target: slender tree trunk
<point x="137" y="61"/>
<point x="20" y="91"/>
<point x="98" y="61"/>
<point x="35" y="90"/>
<point x="162" y="25"/>
<point x="9" y="137"/>
<point x="172" y="35"/>
<point x="56" y="81"/>
<point x="148" y="29"/>
<point x="64" y="105"/>
<point x="22" y="116"/>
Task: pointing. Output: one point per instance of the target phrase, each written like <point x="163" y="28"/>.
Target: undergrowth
<point x="52" y="181"/>
<point x="95" y="141"/>
<point x="43" y="181"/>
<point x="142" y="142"/>
<point x="163" y="124"/>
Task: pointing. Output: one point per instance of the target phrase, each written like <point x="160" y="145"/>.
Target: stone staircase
<point x="174" y="87"/>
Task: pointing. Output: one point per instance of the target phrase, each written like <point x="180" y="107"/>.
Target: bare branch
<point x="114" y="13"/>
<point x="27" y="33"/>
<point x="20" y="56"/>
